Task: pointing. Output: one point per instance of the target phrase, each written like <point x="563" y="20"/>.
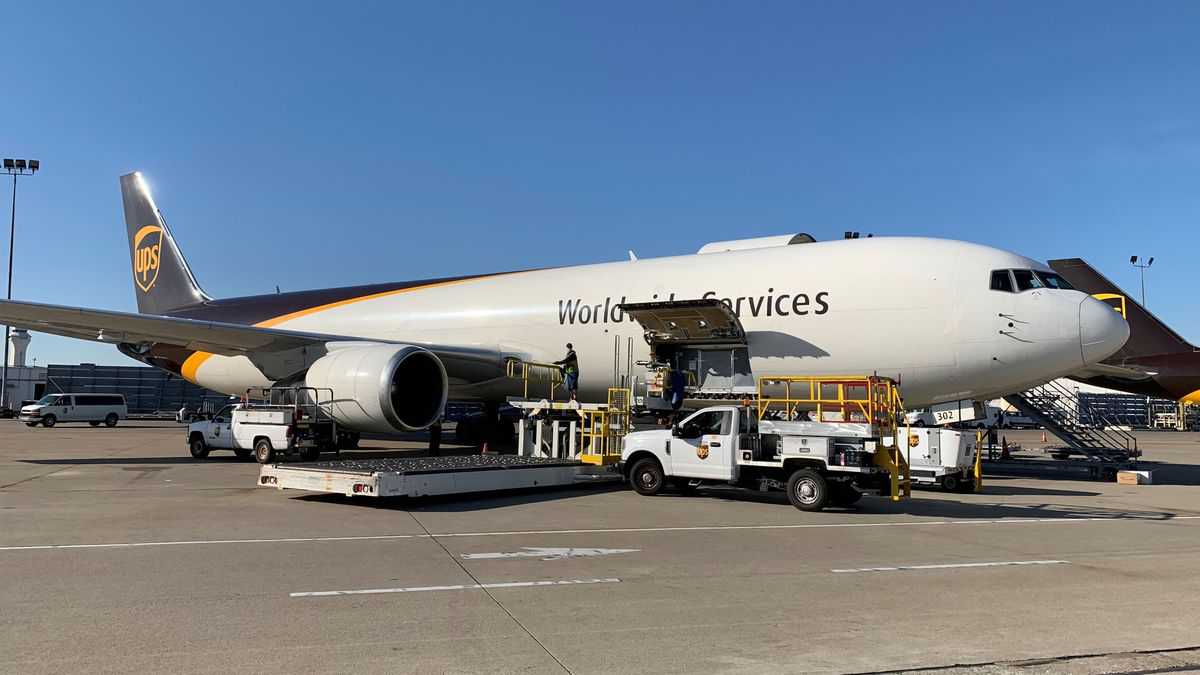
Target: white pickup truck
<point x="816" y="463"/>
<point x="262" y="431"/>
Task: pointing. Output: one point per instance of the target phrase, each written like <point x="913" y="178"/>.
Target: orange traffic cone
<point x="1043" y="436"/>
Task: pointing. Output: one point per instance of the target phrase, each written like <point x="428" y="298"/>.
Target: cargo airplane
<point x="951" y="320"/>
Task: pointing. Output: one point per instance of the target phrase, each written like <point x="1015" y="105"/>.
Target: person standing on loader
<point x="570" y="369"/>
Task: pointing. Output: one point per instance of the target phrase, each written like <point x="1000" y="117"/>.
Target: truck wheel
<point x="264" y="452"/>
<point x="807" y="490"/>
<point x="110" y="420"/>
<point x="94" y="424"/>
<point x="49" y="421"/>
<point x="951" y="482"/>
<point x="647" y="477"/>
<point x="31" y="424"/>
<point x="243" y="453"/>
<point x="198" y="448"/>
<point x="845" y="495"/>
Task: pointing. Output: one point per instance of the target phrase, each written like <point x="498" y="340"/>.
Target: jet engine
<point x="382" y="388"/>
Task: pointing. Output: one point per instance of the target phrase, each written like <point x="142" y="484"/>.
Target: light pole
<point x="14" y="168"/>
<point x="1133" y="260"/>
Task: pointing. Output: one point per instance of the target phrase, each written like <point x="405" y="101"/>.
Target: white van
<point x="91" y="408"/>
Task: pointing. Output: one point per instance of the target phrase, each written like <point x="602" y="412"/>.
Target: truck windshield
<point x="48" y="399"/>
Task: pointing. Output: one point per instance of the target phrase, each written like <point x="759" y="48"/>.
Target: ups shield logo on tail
<point x="147" y="256"/>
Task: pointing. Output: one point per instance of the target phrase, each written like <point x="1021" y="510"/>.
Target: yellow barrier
<point x="602" y="432"/>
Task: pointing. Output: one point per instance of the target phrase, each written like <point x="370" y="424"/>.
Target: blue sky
<point x="322" y="144"/>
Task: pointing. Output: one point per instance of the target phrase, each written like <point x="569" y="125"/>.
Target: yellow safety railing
<point x="527" y="370"/>
<point x="866" y="399"/>
<point x="602" y="433"/>
<point x="840" y="399"/>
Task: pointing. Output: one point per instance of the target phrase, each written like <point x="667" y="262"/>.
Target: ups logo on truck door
<point x="147" y="256"/>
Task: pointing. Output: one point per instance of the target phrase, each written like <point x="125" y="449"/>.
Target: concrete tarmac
<point x="120" y="553"/>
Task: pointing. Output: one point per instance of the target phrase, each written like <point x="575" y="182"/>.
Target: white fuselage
<point x="919" y="310"/>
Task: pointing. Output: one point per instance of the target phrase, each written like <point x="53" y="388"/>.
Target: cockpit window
<point x="1026" y="280"/>
<point x="1052" y="280"/>
<point x="1001" y="281"/>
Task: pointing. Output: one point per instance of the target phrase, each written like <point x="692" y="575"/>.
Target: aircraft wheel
<point x="198" y="448"/>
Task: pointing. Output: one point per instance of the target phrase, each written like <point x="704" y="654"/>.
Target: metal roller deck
<point x="424" y="476"/>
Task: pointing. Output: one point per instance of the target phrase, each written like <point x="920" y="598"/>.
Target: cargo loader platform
<point x="429" y="476"/>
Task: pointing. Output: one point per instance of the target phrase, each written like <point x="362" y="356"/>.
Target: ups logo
<point x="147" y="256"/>
<point x="702" y="452"/>
<point x="1117" y="302"/>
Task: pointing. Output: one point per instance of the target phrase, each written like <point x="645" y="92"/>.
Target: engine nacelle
<point x="382" y="388"/>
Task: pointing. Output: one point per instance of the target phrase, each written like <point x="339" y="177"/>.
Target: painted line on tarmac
<point x="611" y="530"/>
<point x="951" y="566"/>
<point x="460" y="587"/>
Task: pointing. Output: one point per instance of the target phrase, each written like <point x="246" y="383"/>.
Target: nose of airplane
<point x="1102" y="330"/>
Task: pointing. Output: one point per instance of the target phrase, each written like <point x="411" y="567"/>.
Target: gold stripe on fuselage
<point x="193" y="362"/>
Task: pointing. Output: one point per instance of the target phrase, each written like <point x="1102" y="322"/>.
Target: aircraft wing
<point x="464" y="364"/>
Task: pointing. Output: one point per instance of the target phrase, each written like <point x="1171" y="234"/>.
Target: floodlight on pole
<point x="1142" y="267"/>
<point x="13" y="167"/>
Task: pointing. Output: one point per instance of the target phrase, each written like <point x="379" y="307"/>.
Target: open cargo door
<point x="687" y="322"/>
<point x="703" y="339"/>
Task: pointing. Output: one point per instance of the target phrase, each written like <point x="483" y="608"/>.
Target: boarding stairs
<point x="1060" y="411"/>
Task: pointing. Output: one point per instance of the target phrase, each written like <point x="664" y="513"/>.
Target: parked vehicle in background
<point x="926" y="418"/>
<point x="1018" y="421"/>
<point x="95" y="409"/>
